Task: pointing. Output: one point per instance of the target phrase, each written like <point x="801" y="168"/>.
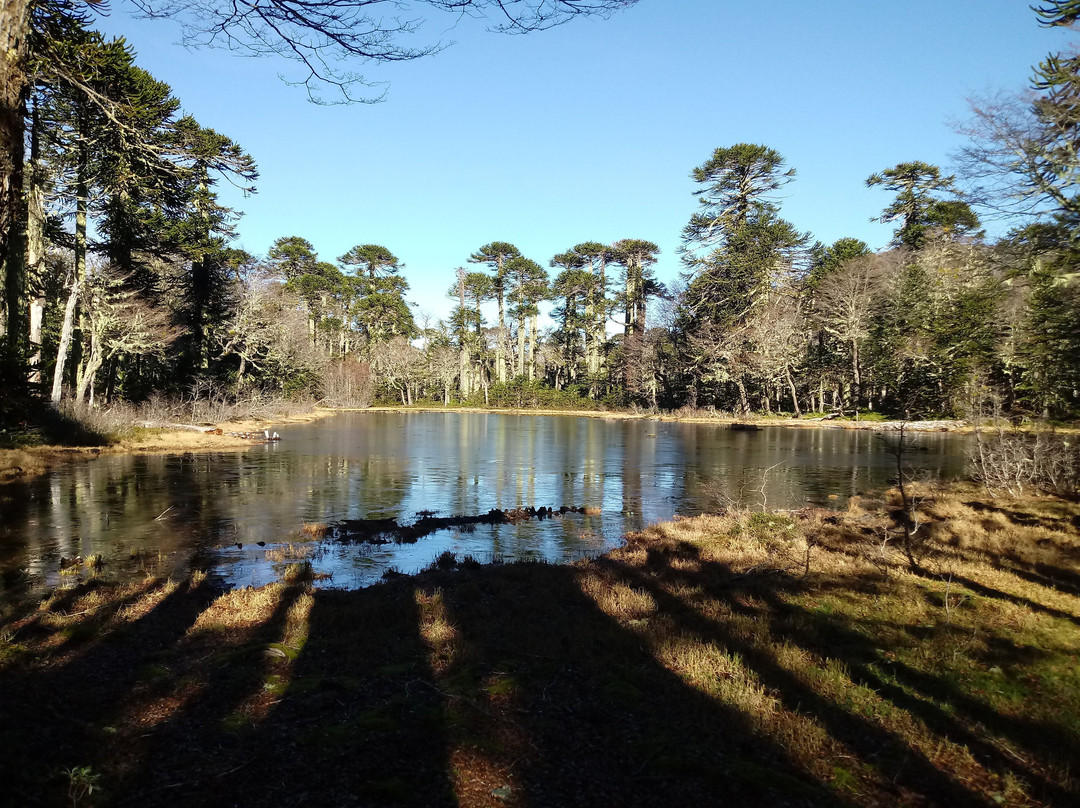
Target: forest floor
<point x="781" y="658"/>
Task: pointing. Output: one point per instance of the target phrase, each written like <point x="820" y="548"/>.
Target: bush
<point x="1014" y="461"/>
<point x="347" y="383"/>
<point x="524" y="394"/>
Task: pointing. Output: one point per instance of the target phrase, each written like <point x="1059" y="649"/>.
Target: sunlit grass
<point x="436" y="628"/>
<point x="239" y="609"/>
<point x="824" y="668"/>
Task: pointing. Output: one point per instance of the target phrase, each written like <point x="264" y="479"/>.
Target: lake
<point x="209" y="510"/>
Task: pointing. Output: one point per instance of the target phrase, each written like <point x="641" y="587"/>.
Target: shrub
<point x="1014" y="461"/>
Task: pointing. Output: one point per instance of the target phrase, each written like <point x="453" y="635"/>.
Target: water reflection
<point x="211" y="509"/>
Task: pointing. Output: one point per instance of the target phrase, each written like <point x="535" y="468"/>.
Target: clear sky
<point x="588" y="132"/>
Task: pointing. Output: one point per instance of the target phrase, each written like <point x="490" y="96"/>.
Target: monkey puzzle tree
<point x="734" y="247"/>
<point x="918" y="207"/>
<point x="528" y="282"/>
<point x="292" y="256"/>
<point x="381" y="310"/>
<point x="371" y="261"/>
<point x="495" y="255"/>
<point x="636" y="257"/>
<point x="206" y="155"/>
<point x="322" y="36"/>
<point x="576" y="286"/>
<point x="596" y="257"/>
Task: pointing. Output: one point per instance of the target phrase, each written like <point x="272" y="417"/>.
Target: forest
<point x="120" y="283"/>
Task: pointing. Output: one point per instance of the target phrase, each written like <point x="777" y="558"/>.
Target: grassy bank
<point x="742" y="659"/>
<point x="50" y="438"/>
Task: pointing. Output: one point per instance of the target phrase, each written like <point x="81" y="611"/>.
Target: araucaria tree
<point x="636" y="257"/>
<point x="917" y="206"/>
<point x="495" y="256"/>
<point x="735" y="248"/>
<point x="326" y="38"/>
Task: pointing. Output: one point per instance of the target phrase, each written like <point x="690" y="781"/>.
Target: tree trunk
<point x="599" y="328"/>
<point x="521" y="345"/>
<point x="794" y="394"/>
<point x="744" y="402"/>
<point x="532" y="346"/>
<point x="87" y="380"/>
<point x="14" y="35"/>
<point x="856" y="375"/>
<point x="65" y="341"/>
<point x="464" y="386"/>
<point x="35" y="250"/>
<point x="240" y="374"/>
<point x="82" y="193"/>
<point x="500" y="339"/>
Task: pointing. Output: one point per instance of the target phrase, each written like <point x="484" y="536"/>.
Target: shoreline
<point x="761" y="422"/>
<point x="24" y="462"/>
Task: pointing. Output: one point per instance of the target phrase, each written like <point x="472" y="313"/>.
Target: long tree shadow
<point x="187" y="724"/>
<point x="917" y="692"/>
<point x="359" y="721"/>
<point x="519" y="685"/>
<point x="55" y="715"/>
<point x="921" y="694"/>
<point x="554" y="703"/>
<point x="1040" y="573"/>
<point x="1019" y="600"/>
<point x="875" y="745"/>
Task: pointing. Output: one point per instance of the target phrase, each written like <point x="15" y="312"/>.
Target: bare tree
<point x="845" y="300"/>
<point x="778" y="330"/>
<point x="121" y="322"/>
<point x="268" y="332"/>
<point x="399" y="365"/>
<point x="1002" y="164"/>
<point x="443" y="368"/>
<point x="322" y="35"/>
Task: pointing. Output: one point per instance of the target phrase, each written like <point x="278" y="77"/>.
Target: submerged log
<point x="382" y="531"/>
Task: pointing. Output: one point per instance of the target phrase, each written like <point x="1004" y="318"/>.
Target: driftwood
<point x="184" y="427"/>
<point x="384" y="531"/>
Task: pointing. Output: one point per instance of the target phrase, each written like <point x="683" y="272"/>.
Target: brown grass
<point x="704" y="662"/>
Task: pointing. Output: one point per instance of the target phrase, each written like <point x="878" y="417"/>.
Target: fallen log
<point x="183" y="427"/>
<point x="383" y="531"/>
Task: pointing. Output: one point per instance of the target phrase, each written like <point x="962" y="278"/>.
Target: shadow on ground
<point x="660" y="675"/>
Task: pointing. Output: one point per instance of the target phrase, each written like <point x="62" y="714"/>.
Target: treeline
<point x="121" y="284"/>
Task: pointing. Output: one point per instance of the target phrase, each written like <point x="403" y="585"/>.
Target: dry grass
<point x="290" y="552"/>
<point x="703" y="657"/>
<point x="436" y="629"/>
<point x="240" y="609"/>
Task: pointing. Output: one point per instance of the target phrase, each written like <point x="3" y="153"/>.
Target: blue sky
<point x="589" y="131"/>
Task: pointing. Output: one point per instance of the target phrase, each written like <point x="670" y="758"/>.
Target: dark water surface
<point x="194" y="509"/>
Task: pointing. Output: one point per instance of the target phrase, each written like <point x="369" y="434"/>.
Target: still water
<point x="209" y="510"/>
